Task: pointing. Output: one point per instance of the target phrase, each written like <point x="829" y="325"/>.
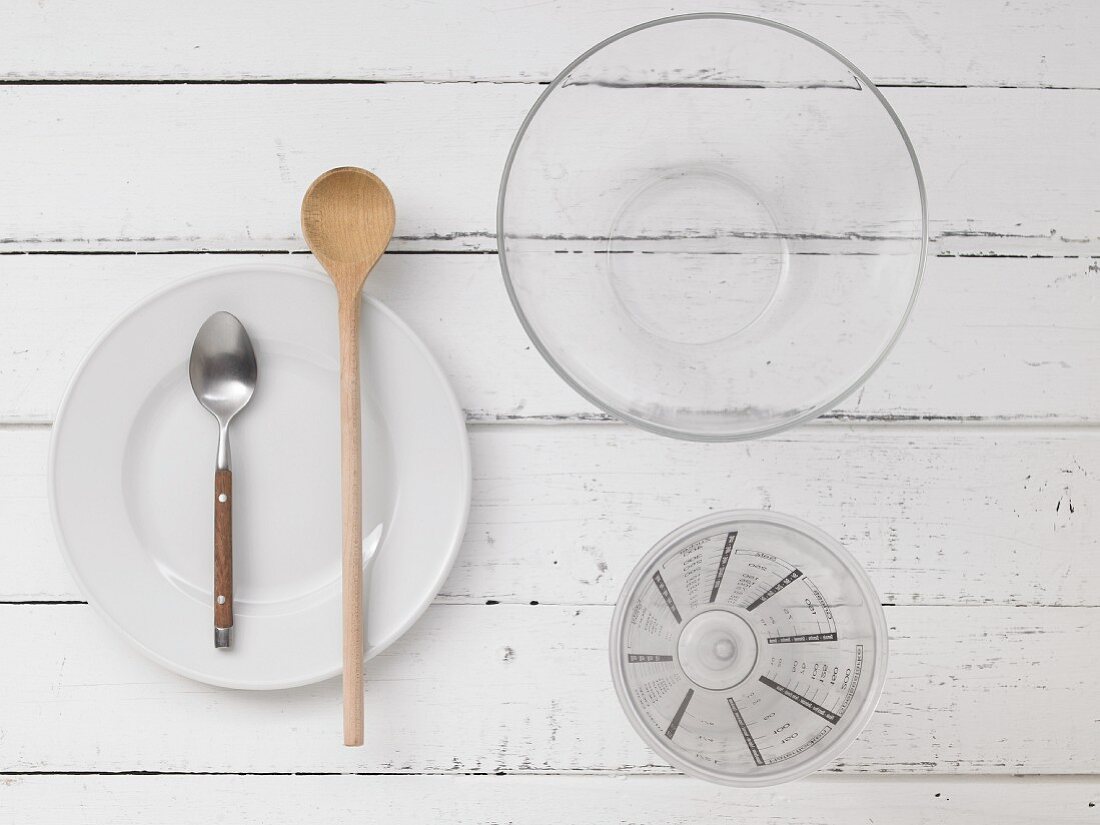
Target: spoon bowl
<point x="223" y="366"/>
<point x="347" y="220"/>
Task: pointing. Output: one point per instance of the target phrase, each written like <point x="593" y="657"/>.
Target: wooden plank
<point x="1000" y="339"/>
<point x="223" y="167"/>
<point x="983" y="42"/>
<point x="290" y="800"/>
<point x="938" y="516"/>
<point x="526" y="689"/>
<point x="941" y="516"/>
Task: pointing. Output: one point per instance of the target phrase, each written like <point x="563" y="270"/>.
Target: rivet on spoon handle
<point x="347" y="220"/>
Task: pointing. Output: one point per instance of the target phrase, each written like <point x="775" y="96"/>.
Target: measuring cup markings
<point x="723" y="562"/>
<point x="660" y="582"/>
<point x="679" y="715"/>
<point x="784" y="608"/>
<point x="775" y="588"/>
<point x="754" y="750"/>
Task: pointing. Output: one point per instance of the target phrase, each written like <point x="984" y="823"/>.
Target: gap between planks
<point x="452" y="601"/>
<point x="55" y="251"/>
<point x="442" y="81"/>
<point x="897" y="423"/>
<point x="669" y="775"/>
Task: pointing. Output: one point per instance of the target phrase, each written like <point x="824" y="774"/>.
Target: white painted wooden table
<point x="143" y="140"/>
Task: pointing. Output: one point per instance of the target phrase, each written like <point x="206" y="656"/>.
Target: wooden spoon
<point x="347" y="219"/>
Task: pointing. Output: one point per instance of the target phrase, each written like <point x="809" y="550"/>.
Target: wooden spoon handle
<point x="223" y="557"/>
<point x="351" y="465"/>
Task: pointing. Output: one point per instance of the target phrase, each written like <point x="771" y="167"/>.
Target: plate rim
<point x="51" y="478"/>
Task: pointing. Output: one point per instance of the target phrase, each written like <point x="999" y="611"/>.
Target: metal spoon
<point x="223" y="376"/>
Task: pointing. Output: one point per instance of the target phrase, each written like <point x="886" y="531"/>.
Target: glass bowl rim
<point x="645" y="423"/>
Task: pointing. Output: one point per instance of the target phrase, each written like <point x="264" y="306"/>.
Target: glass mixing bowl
<point x="712" y="226"/>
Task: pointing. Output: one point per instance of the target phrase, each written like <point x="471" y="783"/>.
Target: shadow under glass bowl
<point x="712" y="226"/>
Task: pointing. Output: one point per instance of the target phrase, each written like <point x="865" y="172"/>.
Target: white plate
<point x="132" y="473"/>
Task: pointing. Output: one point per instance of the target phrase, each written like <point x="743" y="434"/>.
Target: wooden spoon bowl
<point x="347" y="218"/>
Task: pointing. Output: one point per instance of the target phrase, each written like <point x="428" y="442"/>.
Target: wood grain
<point x="223" y="548"/>
<point x="1003" y="339"/>
<point x="979" y="43"/>
<point x="521" y="689"/>
<point x="548" y="800"/>
<point x="939" y="515"/>
<point x="351" y="495"/>
<point x="347" y="219"/>
<point x="103" y="154"/>
<point x="971" y="526"/>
